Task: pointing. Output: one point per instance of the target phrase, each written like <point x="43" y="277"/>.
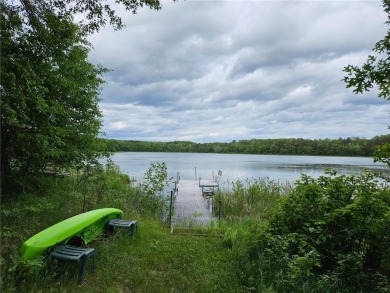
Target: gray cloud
<point x="224" y="70"/>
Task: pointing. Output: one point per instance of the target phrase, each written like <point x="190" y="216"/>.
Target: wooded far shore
<point x="359" y="147"/>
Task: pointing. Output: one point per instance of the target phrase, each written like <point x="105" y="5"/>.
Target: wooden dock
<point x="190" y="208"/>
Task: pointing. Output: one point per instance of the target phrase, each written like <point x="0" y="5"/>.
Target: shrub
<point x="334" y="229"/>
<point x="152" y="189"/>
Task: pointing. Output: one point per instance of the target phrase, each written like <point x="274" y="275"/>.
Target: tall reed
<point x="254" y="198"/>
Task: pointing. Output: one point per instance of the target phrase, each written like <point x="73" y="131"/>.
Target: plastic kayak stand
<point x="73" y="253"/>
<point x="124" y="224"/>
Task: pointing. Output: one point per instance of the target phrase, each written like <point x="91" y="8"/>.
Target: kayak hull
<point x="87" y="226"/>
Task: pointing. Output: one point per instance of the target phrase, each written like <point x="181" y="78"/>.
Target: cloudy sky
<point x="217" y="71"/>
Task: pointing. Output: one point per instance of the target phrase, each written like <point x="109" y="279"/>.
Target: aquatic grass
<point x="249" y="198"/>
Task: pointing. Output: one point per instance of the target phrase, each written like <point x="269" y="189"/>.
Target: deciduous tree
<point x="49" y="96"/>
<point x="93" y="13"/>
<point x="374" y="72"/>
<point x="49" y="89"/>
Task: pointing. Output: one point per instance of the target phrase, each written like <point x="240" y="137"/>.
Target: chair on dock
<point x="208" y="186"/>
<point x="218" y="177"/>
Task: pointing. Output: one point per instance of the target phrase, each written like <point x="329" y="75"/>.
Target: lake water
<point x="241" y="167"/>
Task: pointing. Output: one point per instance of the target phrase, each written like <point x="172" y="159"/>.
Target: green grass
<point x="237" y="254"/>
<point x="229" y="256"/>
<point x="154" y="261"/>
<point x="157" y="259"/>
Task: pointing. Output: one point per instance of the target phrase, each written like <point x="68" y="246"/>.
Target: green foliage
<point x="289" y="146"/>
<point x="382" y="154"/>
<point x="155" y="179"/>
<point x="96" y="12"/>
<point x="98" y="185"/>
<point x="152" y="188"/>
<point x="333" y="229"/>
<point x="374" y="72"/>
<point x="50" y="118"/>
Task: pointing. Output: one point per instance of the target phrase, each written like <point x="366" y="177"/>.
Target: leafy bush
<point x="334" y="229"/>
<point x="152" y="189"/>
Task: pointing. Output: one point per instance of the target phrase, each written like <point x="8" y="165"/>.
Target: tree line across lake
<point x="284" y="146"/>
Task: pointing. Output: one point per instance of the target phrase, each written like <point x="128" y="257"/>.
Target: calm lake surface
<point x="241" y="167"/>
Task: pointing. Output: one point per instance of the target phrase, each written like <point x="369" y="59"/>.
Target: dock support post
<point x="219" y="209"/>
<point x="170" y="210"/>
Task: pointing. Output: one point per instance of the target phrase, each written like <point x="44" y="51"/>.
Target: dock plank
<point x="208" y="183"/>
<point x="190" y="208"/>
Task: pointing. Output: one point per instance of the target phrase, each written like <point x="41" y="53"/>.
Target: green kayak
<point x="87" y="226"/>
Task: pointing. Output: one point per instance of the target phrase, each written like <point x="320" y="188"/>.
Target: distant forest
<point x="284" y="146"/>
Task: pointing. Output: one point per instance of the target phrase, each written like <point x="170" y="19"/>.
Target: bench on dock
<point x="208" y="186"/>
